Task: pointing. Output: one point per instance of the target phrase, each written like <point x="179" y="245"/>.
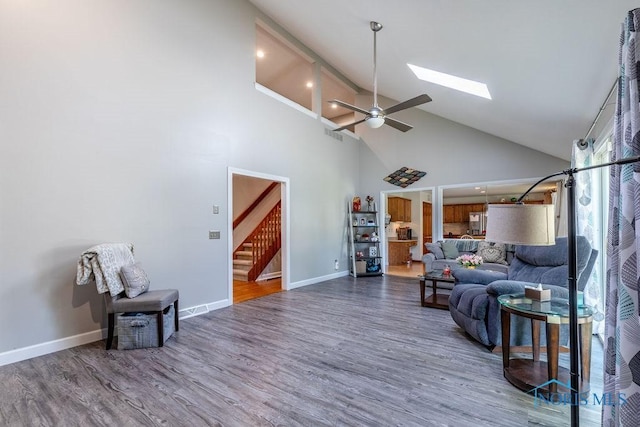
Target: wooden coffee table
<point x="435" y="300"/>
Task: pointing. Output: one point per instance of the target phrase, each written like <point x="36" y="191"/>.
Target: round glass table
<point x="530" y="374"/>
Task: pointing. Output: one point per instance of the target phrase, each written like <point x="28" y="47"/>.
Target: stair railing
<point x="265" y="241"/>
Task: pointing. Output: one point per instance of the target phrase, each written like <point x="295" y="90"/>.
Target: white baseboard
<point x="41" y="349"/>
<point x="36" y="350"/>
<point x="312" y="281"/>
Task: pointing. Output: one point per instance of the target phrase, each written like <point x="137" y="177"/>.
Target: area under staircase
<point x="259" y="248"/>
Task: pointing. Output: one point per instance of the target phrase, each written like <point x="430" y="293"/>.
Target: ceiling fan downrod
<point x="375" y="27"/>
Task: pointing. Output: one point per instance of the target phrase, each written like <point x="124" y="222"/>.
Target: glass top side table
<point x="528" y="374"/>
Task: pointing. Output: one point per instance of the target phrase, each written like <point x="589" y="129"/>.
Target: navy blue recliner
<point x="474" y="305"/>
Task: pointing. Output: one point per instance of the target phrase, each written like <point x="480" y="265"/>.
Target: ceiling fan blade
<point x="349" y="106"/>
<point x="349" y="125"/>
<point x="397" y="124"/>
<point x="420" y="99"/>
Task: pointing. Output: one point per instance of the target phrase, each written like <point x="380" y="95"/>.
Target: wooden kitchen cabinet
<point x="460" y="213"/>
<point x="399" y="208"/>
<point x="400" y="251"/>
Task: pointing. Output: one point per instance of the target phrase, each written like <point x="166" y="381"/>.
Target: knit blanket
<point x="102" y="263"/>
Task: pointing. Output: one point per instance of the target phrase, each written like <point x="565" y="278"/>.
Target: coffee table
<point x="435" y="300"/>
<point x="529" y="374"/>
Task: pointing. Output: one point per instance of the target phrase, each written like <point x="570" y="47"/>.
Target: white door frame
<point x="383" y="211"/>
<point x="285" y="228"/>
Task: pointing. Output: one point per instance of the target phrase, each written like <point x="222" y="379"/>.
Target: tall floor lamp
<point x="534" y="225"/>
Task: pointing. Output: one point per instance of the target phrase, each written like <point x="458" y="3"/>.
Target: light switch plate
<point x="216" y="209"/>
<point x="214" y="234"/>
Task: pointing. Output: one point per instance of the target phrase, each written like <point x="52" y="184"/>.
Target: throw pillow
<point x="134" y="279"/>
<point x="492" y="252"/>
<point x="450" y="250"/>
<point x="435" y="249"/>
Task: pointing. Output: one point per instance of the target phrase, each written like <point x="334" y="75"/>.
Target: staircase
<point x="255" y="253"/>
<point x="242" y="262"/>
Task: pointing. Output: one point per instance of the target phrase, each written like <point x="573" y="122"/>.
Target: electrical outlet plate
<point x="214" y="234"/>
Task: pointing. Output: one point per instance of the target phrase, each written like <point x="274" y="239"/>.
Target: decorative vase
<point x="471" y="267"/>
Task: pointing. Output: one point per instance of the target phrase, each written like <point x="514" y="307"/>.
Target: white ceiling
<point x="549" y="64"/>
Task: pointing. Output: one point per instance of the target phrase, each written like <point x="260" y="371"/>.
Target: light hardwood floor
<point x="347" y="352"/>
<point x="413" y="270"/>
<point x="245" y="291"/>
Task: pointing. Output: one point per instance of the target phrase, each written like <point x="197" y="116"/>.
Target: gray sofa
<point x="474" y="302"/>
<point x="497" y="257"/>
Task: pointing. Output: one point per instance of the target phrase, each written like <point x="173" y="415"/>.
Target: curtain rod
<point x="602" y="108"/>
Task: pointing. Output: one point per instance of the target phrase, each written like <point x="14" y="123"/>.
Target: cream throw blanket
<point x="102" y="263"/>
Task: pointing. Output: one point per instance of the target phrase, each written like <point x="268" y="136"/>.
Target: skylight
<point x="453" y="82"/>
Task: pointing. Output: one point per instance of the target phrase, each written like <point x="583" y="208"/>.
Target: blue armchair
<point x="474" y="302"/>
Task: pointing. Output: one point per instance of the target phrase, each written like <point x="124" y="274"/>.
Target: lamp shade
<point x="521" y="224"/>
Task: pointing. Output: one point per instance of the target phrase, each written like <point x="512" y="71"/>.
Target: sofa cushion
<point x="134" y="279"/>
<point x="435" y="249"/>
<point x="450" y="250"/>
<point x="492" y="252"/>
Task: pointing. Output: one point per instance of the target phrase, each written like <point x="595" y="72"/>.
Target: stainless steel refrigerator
<point x="477" y="223"/>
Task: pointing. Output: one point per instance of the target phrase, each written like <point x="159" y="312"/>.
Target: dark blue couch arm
<point x="481" y="277"/>
<point x="502" y="287"/>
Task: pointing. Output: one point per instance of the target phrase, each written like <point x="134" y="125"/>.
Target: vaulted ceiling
<point x="549" y="64"/>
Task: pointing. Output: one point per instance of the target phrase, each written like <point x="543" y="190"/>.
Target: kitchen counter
<point x="400" y="250"/>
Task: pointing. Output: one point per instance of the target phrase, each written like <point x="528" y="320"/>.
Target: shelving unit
<point x="364" y="243"/>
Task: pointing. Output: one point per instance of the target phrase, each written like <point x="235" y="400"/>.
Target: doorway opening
<point x="408" y="226"/>
<point x="258" y="237"/>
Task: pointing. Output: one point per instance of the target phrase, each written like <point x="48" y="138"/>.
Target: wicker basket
<point x="140" y="330"/>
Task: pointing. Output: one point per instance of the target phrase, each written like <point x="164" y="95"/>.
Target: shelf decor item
<point x="370" y="204"/>
<point x="356" y="204"/>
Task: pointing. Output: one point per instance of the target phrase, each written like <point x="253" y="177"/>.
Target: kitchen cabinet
<point x="400" y="251"/>
<point x="399" y="208"/>
<point x="460" y="213"/>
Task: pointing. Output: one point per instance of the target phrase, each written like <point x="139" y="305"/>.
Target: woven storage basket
<point x="140" y="330"/>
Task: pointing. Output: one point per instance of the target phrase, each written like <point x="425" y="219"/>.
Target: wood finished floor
<point x="245" y="291"/>
<point x="345" y="352"/>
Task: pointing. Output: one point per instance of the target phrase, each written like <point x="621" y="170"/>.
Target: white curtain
<point x="587" y="220"/>
<point x="622" y="328"/>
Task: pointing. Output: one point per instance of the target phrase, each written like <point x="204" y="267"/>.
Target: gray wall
<point x="118" y="121"/>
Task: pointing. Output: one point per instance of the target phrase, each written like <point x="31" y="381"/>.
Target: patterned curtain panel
<point x="586" y="219"/>
<point x="622" y="327"/>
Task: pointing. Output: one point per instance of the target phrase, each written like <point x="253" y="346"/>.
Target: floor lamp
<point x="534" y="225"/>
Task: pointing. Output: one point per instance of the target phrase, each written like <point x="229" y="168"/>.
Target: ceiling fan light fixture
<point x="375" y="122"/>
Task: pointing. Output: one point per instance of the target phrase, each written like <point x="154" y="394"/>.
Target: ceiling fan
<point x="376" y="116"/>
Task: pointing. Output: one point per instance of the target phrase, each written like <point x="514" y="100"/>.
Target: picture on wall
<point x="404" y="177"/>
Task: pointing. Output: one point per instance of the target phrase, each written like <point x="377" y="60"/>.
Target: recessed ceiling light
<point x="453" y="82"/>
<point x="260" y="53"/>
<point x="334" y="106"/>
<point x="309" y="84"/>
